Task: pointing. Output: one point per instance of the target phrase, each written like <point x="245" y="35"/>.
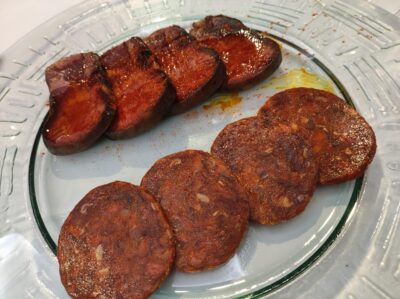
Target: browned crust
<point x="205" y="205"/>
<point x="151" y="117"/>
<point x="218" y="32"/>
<point x="205" y="91"/>
<point x="272" y="163"/>
<point x="216" y="26"/>
<point x="67" y="79"/>
<point x="115" y="243"/>
<point x="343" y="143"/>
<point x="269" y="68"/>
<point x="143" y="92"/>
<point x="170" y="46"/>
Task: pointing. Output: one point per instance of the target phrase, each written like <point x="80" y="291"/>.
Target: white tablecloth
<point x="18" y="17"/>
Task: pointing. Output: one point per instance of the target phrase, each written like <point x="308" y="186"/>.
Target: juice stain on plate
<point x="224" y="101"/>
<point x="299" y="78"/>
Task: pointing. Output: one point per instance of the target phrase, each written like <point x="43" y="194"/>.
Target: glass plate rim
<point x="270" y="287"/>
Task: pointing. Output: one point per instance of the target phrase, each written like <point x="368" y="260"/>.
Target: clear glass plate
<point x="345" y="244"/>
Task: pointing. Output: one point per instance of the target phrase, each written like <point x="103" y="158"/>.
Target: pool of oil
<point x="224" y="101"/>
<point x="299" y="77"/>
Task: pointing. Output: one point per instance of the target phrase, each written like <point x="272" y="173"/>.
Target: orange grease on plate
<point x="224" y="101"/>
<point x="299" y="78"/>
<point x="191" y="114"/>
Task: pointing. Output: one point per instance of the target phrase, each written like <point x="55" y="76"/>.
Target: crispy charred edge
<point x="61" y="64"/>
<point x="205" y="91"/>
<point x="216" y="26"/>
<point x="161" y="39"/>
<point x="107" y="116"/>
<point x="220" y="26"/>
<point x="164" y="37"/>
<point x="162" y="216"/>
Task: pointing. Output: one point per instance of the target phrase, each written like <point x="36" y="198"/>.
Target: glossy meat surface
<point x="195" y="70"/>
<point x="248" y="56"/>
<point x="81" y="104"/>
<point x="143" y="92"/>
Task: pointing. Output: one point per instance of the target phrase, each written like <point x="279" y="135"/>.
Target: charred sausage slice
<point x="274" y="165"/>
<point x="248" y="56"/>
<point x="342" y="141"/>
<point x="81" y="104"/>
<point x="142" y="91"/>
<point x="196" y="71"/>
<point x="204" y="204"/>
<point x="116" y="243"/>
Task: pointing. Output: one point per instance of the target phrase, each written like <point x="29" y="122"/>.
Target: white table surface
<point x="18" y="17"/>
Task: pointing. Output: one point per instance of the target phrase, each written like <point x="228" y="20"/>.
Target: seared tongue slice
<point x="81" y="104"/>
<point x="248" y="56"/>
<point x="195" y="70"/>
<point x="142" y="91"/>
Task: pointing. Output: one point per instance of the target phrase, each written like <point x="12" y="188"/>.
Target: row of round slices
<point x="192" y="208"/>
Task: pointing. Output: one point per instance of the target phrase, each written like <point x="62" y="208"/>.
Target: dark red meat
<point x="273" y="164"/>
<point x="205" y="205"/>
<point x="195" y="70"/>
<point x="81" y="104"/>
<point x="248" y="55"/>
<point x="342" y="141"/>
<point x="116" y="243"/>
<point x="143" y="92"/>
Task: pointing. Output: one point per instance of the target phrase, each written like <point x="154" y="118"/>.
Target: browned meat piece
<point x="142" y="91"/>
<point x="248" y="56"/>
<point x="342" y="141"/>
<point x="204" y="204"/>
<point x="195" y="70"/>
<point x="116" y="243"/>
<point x="81" y="104"/>
<point x="274" y="165"/>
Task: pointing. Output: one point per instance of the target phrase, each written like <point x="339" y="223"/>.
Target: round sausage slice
<point x="116" y="243"/>
<point x="274" y="165"/>
<point x="342" y="141"/>
<point x="204" y="204"/>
